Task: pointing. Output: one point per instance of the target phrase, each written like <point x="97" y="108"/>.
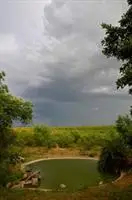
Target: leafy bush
<point x="112" y="157"/>
<point x="25" y="138"/>
<point x="87" y="142"/>
<point x="7" y="175"/>
<point x="65" y="140"/>
<point x="124" y="127"/>
<point x="115" y="154"/>
<point x="4" y="173"/>
<point x="43" y="137"/>
<point x="76" y="135"/>
<point x="15" y="154"/>
<point x="15" y="176"/>
<point x="86" y="139"/>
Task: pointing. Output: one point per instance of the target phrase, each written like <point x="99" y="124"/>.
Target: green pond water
<point x="74" y="173"/>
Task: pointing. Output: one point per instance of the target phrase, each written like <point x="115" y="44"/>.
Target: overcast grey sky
<point x="51" y="52"/>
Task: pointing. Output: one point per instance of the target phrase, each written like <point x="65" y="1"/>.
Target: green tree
<point x="124" y="128"/>
<point x="11" y="109"/>
<point x="113" y="157"/>
<point x="118" y="43"/>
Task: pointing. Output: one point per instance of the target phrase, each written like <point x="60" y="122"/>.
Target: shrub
<point x="112" y="157"/>
<point x="15" y="176"/>
<point x="124" y="127"/>
<point x="43" y="137"/>
<point x="86" y="138"/>
<point x="4" y="173"/>
<point x="76" y="135"/>
<point x="89" y="141"/>
<point x="65" y="140"/>
<point x="25" y="138"/>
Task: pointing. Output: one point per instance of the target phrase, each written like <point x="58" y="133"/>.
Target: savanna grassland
<point x="42" y="141"/>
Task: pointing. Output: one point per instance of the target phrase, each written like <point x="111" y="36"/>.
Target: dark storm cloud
<point x="78" y="68"/>
<point x="65" y="86"/>
<point x="52" y="55"/>
<point x="96" y="111"/>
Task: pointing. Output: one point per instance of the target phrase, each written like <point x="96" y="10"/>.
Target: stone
<point x="22" y="184"/>
<point x="34" y="181"/>
<point x="16" y="186"/>
<point x="62" y="186"/>
<point x="9" y="185"/>
<point x="25" y="176"/>
<point x="29" y="179"/>
<point x="28" y="184"/>
<point x="101" y="182"/>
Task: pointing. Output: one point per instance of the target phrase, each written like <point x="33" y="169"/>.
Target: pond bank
<point x="61" y="157"/>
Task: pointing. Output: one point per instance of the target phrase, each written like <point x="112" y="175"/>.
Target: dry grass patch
<point x="32" y="153"/>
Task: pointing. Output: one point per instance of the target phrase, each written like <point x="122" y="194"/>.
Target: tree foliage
<point x="118" y="43"/>
<point x="11" y="108"/>
<point x="124" y="128"/>
<point x="116" y="154"/>
<point x="113" y="157"/>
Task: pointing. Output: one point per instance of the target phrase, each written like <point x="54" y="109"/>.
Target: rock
<point x="101" y="182"/>
<point x="9" y="185"/>
<point x="25" y="176"/>
<point x="29" y="179"/>
<point x="33" y="175"/>
<point x="16" y="186"/>
<point x="62" y="186"/>
<point x="35" y="181"/>
<point x="28" y="184"/>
